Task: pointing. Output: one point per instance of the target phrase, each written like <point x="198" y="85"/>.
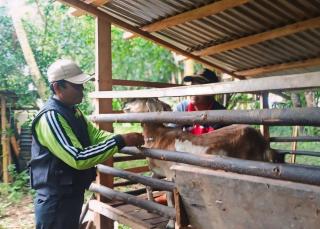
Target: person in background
<point x="65" y="149"/>
<point x="201" y="102"/>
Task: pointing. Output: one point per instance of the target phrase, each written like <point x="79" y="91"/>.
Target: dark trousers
<point x="58" y="211"/>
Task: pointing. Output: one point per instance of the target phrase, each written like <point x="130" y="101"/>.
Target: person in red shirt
<point x="201" y="102"/>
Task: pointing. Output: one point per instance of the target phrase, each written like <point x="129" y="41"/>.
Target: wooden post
<point x="182" y="221"/>
<point x="4" y="141"/>
<point x="103" y="82"/>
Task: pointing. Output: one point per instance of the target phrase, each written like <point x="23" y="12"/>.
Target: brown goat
<point x="239" y="141"/>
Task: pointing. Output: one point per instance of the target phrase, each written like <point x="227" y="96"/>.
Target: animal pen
<point x="272" y="47"/>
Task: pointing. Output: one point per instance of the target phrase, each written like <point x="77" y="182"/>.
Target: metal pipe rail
<point x="145" y="204"/>
<point x="296" y="139"/>
<point x="296" y="173"/>
<point x="292" y="116"/>
<point x="158" y="184"/>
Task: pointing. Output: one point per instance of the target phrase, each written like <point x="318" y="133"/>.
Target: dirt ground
<point x="17" y="215"/>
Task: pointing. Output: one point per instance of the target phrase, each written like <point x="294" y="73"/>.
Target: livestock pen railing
<point x="298" y="174"/>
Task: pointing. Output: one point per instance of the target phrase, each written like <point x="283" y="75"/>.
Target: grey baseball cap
<point x="68" y="70"/>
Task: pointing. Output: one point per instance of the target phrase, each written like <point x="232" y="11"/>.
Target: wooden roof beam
<point x="257" y="38"/>
<point x="201" y="12"/>
<point x="78" y="12"/>
<point x="99" y="13"/>
<point x="279" y="67"/>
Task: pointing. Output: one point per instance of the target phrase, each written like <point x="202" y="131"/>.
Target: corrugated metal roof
<point x="244" y="20"/>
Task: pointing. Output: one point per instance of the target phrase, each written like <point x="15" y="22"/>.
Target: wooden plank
<point x="216" y="199"/>
<point x="103" y="81"/>
<point x="181" y="216"/>
<point x="291" y="82"/>
<point x="257" y="38"/>
<point x="117" y="215"/>
<point x="279" y="67"/>
<point x="201" y="12"/>
<point x="142" y="83"/>
<point x="138" y="169"/>
<point x="98" y="13"/>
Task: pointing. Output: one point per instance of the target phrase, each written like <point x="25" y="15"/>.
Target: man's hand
<point x="133" y="139"/>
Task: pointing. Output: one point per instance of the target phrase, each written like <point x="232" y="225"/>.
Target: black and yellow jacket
<point x="66" y="146"/>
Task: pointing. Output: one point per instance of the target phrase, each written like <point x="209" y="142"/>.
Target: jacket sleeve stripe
<point x="106" y="146"/>
<point x="58" y="133"/>
<point x="87" y="152"/>
<point x="100" y="147"/>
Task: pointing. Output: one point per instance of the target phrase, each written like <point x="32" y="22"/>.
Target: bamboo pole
<point x="158" y="184"/>
<point x="145" y="204"/>
<point x="4" y="141"/>
<point x="289" y="172"/>
<point x="294" y="145"/>
<point x="290" y="116"/>
<point x="299" y="152"/>
<point x="298" y="139"/>
<point x="264" y="104"/>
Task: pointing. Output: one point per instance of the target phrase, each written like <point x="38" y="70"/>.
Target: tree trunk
<point x="28" y="56"/>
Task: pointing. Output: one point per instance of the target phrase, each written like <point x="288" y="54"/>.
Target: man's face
<point x="199" y="100"/>
<point x="71" y="94"/>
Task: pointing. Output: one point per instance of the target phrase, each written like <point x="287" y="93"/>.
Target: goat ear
<point x="166" y="107"/>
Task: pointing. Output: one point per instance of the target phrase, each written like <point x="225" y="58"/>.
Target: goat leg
<point x="150" y="190"/>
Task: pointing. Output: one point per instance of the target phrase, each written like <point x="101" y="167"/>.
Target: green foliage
<point x="139" y="59"/>
<point x="18" y="187"/>
<point x="244" y="101"/>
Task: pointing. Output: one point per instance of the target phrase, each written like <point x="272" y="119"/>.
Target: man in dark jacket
<point x="201" y="102"/>
<point x="66" y="147"/>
